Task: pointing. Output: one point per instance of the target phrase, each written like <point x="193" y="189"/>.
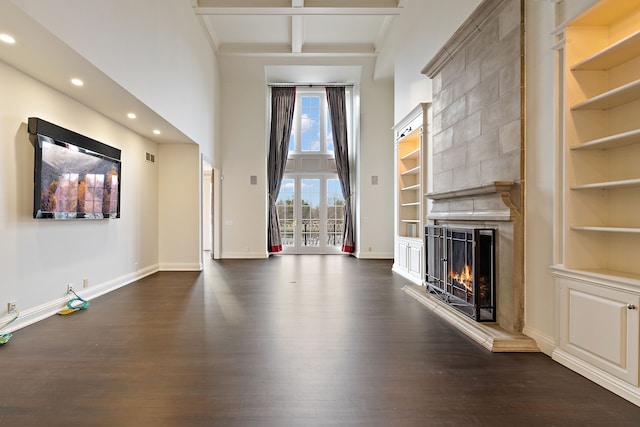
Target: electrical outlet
<point x="11" y="306"/>
<point x="69" y="288"/>
<point x="85" y="283"/>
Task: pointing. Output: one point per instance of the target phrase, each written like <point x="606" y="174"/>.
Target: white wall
<point x="422" y="28"/>
<point x="155" y="49"/>
<point x="540" y="163"/>
<point x="244" y="153"/>
<point x="38" y="258"/>
<point x="180" y="212"/>
<point x="158" y="51"/>
<point x="375" y="210"/>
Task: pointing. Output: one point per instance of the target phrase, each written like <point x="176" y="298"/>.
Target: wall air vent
<point x="151" y="158"/>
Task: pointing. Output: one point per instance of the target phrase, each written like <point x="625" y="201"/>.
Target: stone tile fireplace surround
<point x="478" y="144"/>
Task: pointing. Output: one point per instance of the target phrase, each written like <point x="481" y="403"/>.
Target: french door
<point x="311" y="214"/>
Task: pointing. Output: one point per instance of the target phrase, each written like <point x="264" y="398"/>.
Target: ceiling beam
<point x="282" y="50"/>
<point x="297" y="28"/>
<point x="297" y="33"/>
<point x="299" y="11"/>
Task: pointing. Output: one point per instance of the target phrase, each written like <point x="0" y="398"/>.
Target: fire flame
<point x="465" y="277"/>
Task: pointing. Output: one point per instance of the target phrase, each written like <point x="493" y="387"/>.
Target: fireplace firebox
<point x="460" y="269"/>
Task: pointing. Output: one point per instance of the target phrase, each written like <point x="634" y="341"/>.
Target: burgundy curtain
<point x="338" y="112"/>
<point x="282" y="105"/>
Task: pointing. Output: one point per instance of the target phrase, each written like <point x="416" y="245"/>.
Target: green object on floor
<point x="75" y="304"/>
<point x="4" y="338"/>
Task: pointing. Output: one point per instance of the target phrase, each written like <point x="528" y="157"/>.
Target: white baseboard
<point x="374" y="255"/>
<point x="546" y="344"/>
<point x="604" y="379"/>
<point x="245" y="255"/>
<point x="181" y="266"/>
<point x="404" y="273"/>
<point x="35" y="314"/>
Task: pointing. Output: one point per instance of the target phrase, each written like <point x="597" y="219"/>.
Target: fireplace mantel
<point x="494" y="201"/>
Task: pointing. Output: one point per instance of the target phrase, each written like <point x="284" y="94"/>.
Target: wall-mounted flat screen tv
<point x="75" y="177"/>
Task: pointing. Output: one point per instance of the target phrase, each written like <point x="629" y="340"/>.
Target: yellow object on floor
<point x="68" y="310"/>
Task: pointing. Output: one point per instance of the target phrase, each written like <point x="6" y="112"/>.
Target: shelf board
<point x="612" y="141"/>
<point x="616" y="276"/>
<point x="410" y="204"/>
<point x="411" y="155"/>
<point x="612" y="56"/>
<point x="611" y="99"/>
<point x="410" y="238"/>
<point x="412" y="171"/>
<point x="628" y="230"/>
<point x="410" y="221"/>
<point x="608" y="185"/>
<point x="411" y="187"/>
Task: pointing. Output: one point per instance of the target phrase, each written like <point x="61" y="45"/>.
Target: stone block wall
<point x="477" y="100"/>
<point x="478" y="143"/>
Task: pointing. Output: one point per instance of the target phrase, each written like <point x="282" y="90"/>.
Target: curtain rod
<point x="310" y="84"/>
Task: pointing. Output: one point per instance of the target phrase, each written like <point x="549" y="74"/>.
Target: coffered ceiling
<point x="307" y="28"/>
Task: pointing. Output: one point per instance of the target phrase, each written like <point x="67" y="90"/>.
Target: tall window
<point x="311" y="124"/>
<point x="310" y="203"/>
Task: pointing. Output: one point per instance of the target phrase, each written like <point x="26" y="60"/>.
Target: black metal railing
<point x="310" y="233"/>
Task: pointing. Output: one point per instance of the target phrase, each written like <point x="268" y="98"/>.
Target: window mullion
<point x="323" y="125"/>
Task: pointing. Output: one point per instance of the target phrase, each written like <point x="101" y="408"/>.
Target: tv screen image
<point x="73" y="181"/>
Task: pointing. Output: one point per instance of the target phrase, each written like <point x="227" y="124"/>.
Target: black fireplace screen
<point x="460" y="269"/>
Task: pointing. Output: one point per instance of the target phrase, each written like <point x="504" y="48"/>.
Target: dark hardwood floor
<point x="288" y="341"/>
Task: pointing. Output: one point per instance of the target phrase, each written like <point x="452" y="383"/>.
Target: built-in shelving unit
<point x="410" y="157"/>
<point x="409" y="165"/>
<point x="601" y="173"/>
<point x="597" y="275"/>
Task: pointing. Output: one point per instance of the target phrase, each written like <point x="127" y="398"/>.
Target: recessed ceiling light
<point x="7" y="38"/>
<point x="132" y="115"/>
<point x="77" y="82"/>
<point x="156" y="132"/>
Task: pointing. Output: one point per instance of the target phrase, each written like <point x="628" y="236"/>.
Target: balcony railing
<point x="310" y="234"/>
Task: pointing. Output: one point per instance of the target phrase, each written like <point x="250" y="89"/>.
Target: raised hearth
<point x="490" y="335"/>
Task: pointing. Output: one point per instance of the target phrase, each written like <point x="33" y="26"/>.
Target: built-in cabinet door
<point x="408" y="261"/>
<point x="415" y="259"/>
<point x="601" y="326"/>
<point x="403" y="255"/>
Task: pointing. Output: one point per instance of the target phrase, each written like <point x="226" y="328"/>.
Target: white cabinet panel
<point x="601" y="326"/>
<point x="415" y="259"/>
<point x="403" y="258"/>
<point x="408" y="258"/>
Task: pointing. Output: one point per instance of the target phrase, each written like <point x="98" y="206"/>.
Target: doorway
<point x="210" y="210"/>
